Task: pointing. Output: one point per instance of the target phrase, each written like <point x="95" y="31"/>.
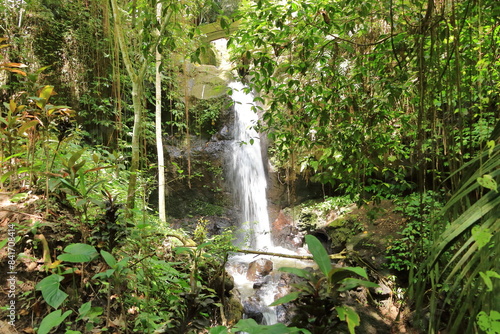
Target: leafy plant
<point x="90" y="315"/>
<point x="52" y="320"/>
<point x="414" y="242"/>
<point x="51" y="292"/>
<point x="251" y="327"/>
<point x="458" y="276"/>
<point x="489" y="323"/>
<point x="321" y="293"/>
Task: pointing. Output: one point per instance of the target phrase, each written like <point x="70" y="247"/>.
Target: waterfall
<point x="248" y="178"/>
<point x="246" y="174"/>
<point x="247" y="171"/>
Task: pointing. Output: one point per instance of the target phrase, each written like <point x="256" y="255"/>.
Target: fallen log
<point x="290" y="256"/>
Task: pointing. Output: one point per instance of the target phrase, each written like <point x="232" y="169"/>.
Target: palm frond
<point x="450" y="280"/>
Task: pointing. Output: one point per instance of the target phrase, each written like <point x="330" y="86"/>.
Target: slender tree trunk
<point x="186" y="111"/>
<point x="134" y="162"/>
<point x="137" y="72"/>
<point x="159" y="141"/>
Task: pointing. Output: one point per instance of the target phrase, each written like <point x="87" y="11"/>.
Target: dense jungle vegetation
<point x="374" y="100"/>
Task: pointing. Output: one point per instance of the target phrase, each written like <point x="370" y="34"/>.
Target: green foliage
<point x="251" y="327"/>
<point x="319" y="295"/>
<point x="419" y="210"/>
<point x="313" y="214"/>
<point x="26" y="130"/>
<point x="348" y="315"/>
<point x="319" y="254"/>
<point x="460" y="272"/>
<point x="78" y="253"/>
<point x="206" y="115"/>
<point x="51" y="292"/>
<point x="489" y="323"/>
<point x="52" y="320"/>
<point x="90" y="315"/>
<point x="366" y="100"/>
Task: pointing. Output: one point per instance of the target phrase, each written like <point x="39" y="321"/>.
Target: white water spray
<point x="247" y="169"/>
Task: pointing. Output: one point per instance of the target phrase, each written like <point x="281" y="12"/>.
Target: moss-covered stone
<point x="234" y="310"/>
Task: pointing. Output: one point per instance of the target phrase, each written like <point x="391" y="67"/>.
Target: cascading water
<point x="247" y="171"/>
<point x="247" y="174"/>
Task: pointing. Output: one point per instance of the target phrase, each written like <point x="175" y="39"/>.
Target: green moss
<point x="340" y="235"/>
<point x="201" y="208"/>
<point x="339" y="222"/>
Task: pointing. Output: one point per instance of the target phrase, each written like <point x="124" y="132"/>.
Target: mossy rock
<point x="340" y="236"/>
<point x="234" y="310"/>
<point x="339" y="222"/>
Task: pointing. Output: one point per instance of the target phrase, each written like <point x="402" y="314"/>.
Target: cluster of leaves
<point x="173" y="289"/>
<point x="415" y="239"/>
<point x="358" y="95"/>
<point x="314" y="214"/>
<point x="206" y="114"/>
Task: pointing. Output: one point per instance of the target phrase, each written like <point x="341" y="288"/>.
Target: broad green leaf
<point x="487" y="278"/>
<point x="74" y="158"/>
<point x="50" y="290"/>
<point x="481" y="235"/>
<point x="487" y="181"/>
<point x="490" y="323"/>
<point x="286" y="299"/>
<point x="351" y="283"/>
<point x="5" y="176"/>
<point x="44" y="96"/>
<point x="26" y="126"/>
<point x="336" y="275"/>
<point x="83" y="310"/>
<point x="250" y="326"/>
<point x="297" y="271"/>
<point x="52" y="320"/>
<point x="76" y="167"/>
<point x="123" y="262"/>
<point x="105" y="274"/>
<point x="350" y="316"/>
<point x="319" y="254"/>
<point x="18" y="197"/>
<point x="78" y="253"/>
<point x="109" y="258"/>
<point x="218" y="330"/>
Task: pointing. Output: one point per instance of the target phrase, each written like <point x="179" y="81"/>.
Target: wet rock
<point x="223" y="134"/>
<point x="258" y="269"/>
<point x="284" y="233"/>
<point x="252" y="309"/>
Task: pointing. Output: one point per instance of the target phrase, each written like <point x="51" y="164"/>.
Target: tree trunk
<point x="159" y="140"/>
<point x="134" y="163"/>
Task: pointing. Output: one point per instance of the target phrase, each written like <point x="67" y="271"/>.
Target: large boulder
<point x="258" y="269"/>
<point x="285" y="233"/>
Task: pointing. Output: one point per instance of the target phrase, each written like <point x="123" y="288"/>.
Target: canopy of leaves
<point x="360" y="93"/>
